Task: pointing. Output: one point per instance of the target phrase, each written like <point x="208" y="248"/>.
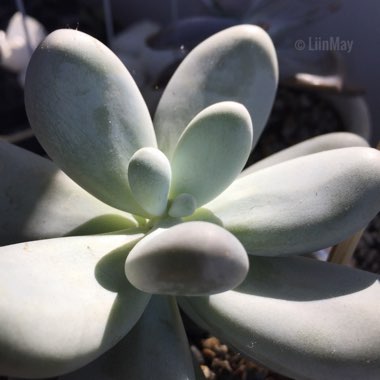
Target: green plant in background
<point x="163" y="210"/>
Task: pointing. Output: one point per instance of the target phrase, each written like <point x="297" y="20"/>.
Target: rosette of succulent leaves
<point x="137" y="216"/>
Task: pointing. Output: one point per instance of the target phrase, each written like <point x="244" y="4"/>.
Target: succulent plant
<point x="143" y="217"/>
<point x="283" y="20"/>
<point x="16" y="46"/>
<point x="152" y="53"/>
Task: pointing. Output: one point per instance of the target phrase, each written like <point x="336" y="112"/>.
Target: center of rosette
<point x="149" y="177"/>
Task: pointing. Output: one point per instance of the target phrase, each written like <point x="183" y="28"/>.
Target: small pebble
<point x="210" y="342"/>
<point x="208" y="353"/>
<point x="221" y="365"/>
<point x="208" y="374"/>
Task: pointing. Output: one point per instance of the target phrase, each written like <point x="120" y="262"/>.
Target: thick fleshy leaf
<point x="15" y="46"/>
<point x="317" y="144"/>
<point x="302" y="205"/>
<point x="149" y="176"/>
<point x="38" y="201"/>
<point x="301" y="317"/>
<point x="182" y="205"/>
<point x="237" y="64"/>
<point x="156" y="348"/>
<point x="64" y="302"/>
<point x="211" y="151"/>
<point x="88" y="113"/>
<point x="194" y="258"/>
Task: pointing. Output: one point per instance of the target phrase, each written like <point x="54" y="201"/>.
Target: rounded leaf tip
<point x="183" y="205"/>
<point x="189" y="259"/>
<point x="212" y="151"/>
<point x="149" y="176"/>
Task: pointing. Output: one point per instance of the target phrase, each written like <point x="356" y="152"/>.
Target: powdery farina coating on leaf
<point x="80" y="302"/>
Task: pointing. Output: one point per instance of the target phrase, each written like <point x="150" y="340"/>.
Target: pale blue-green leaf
<point x="237" y="64"/>
<point x="194" y="258"/>
<point x="182" y="205"/>
<point x="156" y="348"/>
<point x="302" y="205"/>
<point x="38" y="201"/>
<point x="64" y="302"/>
<point x="317" y="144"/>
<point x="211" y="151"/>
<point x="301" y="317"/>
<point x="88" y="113"/>
<point x="149" y="176"/>
<point x="107" y="224"/>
